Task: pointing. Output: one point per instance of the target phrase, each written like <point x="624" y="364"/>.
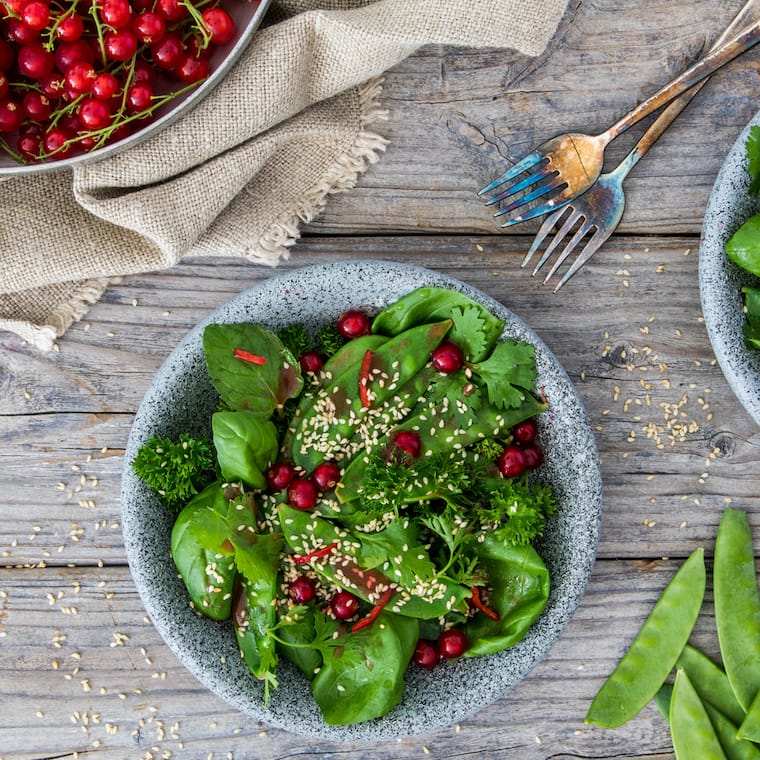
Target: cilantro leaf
<point x="468" y="332"/>
<point x="508" y="373"/>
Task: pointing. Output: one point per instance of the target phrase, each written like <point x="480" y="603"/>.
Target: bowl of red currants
<point x="81" y="79"/>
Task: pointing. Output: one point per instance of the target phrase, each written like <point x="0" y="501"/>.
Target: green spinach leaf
<point x="246" y="445"/>
<point x="743" y="248"/>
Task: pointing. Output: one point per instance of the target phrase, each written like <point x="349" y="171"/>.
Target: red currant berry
<point x="53" y="86"/>
<point x="302" y="494"/>
<point x="447" y="357"/>
<point x="67" y="53"/>
<point x="191" y="69"/>
<point x="19" y="32"/>
<point x="311" y="362"/>
<point x="171" y="10"/>
<point x="426" y="654"/>
<point x="34" y="61"/>
<point x="4" y="85"/>
<point x="166" y="53"/>
<point x="36" y="15"/>
<point x="408" y="441"/>
<point x="120" y="45"/>
<point x="280" y="476"/>
<point x="104" y="86"/>
<point x="534" y="456"/>
<point x="326" y="475"/>
<point x="219" y="25"/>
<point x="511" y="462"/>
<point x="354" y="324"/>
<point x="70" y="29"/>
<point x="7" y="56"/>
<point x="94" y="114"/>
<point x="80" y="76"/>
<point x="526" y="431"/>
<point x="11" y="115"/>
<point x="116" y="13"/>
<point x="143" y="72"/>
<point x="139" y="97"/>
<point x="29" y="146"/>
<point x="149" y="27"/>
<point x="344" y="605"/>
<point x="302" y="589"/>
<point x="58" y="142"/>
<point x="452" y="643"/>
<point x="36" y="106"/>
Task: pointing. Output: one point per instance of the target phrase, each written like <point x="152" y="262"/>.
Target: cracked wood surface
<point x="83" y="673"/>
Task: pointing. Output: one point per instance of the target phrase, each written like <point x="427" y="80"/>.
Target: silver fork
<point x="567" y="165"/>
<point x="600" y="208"/>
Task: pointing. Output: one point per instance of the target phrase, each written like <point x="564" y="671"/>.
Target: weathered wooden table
<point x="84" y="673"/>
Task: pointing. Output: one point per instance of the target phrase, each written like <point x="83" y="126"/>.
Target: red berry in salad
<point x="525" y="431"/>
<point x="534" y="456"/>
<point x="426" y="654"/>
<point x="354" y="324"/>
<point x="302" y="589"/>
<point x="447" y="357"/>
<point x="326" y="475"/>
<point x="280" y="476"/>
<point x="302" y="494"/>
<point x="511" y="462"/>
<point x="344" y="605"/>
<point x="409" y="441"/>
<point x="311" y="362"/>
<point x="452" y="643"/>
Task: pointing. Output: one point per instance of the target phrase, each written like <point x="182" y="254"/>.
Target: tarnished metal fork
<point x="598" y="211"/>
<point x="567" y="165"/>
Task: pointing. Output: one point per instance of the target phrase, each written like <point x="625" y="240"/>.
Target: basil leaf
<point x="246" y="445"/>
<point x="743" y="248"/>
<point x="363" y="677"/>
<point x="520" y="589"/>
<point x="260" y="388"/>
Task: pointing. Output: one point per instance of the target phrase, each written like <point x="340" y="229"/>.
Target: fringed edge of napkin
<point x="342" y="176"/>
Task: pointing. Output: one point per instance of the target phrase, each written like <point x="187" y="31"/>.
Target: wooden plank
<point x="85" y="670"/>
<point x="456" y="117"/>
<point x="665" y="484"/>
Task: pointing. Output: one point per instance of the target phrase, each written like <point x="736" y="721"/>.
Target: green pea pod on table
<point x="655" y="650"/>
<point x="737" y="605"/>
<point x="694" y="737"/>
<point x="475" y="329"/>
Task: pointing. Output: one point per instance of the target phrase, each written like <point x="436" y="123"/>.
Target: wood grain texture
<point x="84" y="673"/>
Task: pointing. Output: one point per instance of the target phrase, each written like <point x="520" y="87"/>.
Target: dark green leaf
<point x="743" y="248"/>
<point x="296" y="339"/>
<point x="246" y="445"/>
<point x="753" y="159"/>
<point x="509" y="373"/>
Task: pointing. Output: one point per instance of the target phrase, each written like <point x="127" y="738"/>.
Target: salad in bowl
<point x="361" y="509"/>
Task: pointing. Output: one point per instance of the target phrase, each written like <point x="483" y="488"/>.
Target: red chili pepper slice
<point x="477" y="602"/>
<point x="374" y="612"/>
<point x="247" y="356"/>
<point x="364" y="380"/>
<point x="300" y="559"/>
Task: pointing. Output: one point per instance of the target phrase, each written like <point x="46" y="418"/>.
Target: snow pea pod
<point x="693" y="734"/>
<point x="737" y="605"/>
<point x="750" y="726"/>
<point x="725" y="729"/>
<point x="710" y="682"/>
<point x="654" y="651"/>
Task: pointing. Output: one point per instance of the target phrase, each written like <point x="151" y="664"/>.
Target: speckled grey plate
<point x="720" y="280"/>
<point x="181" y="399"/>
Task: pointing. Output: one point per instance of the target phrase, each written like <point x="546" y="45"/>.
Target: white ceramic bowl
<point x="181" y="399"/>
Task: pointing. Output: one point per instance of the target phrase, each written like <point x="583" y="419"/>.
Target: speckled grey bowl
<point x="720" y="280"/>
<point x="182" y="399"/>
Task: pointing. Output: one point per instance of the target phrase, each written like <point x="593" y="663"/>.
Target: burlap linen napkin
<point x="286" y="127"/>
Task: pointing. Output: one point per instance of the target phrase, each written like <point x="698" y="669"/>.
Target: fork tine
<point x="544" y="230"/>
<point x="543" y="188"/>
<point x="523" y="165"/>
<point x="559" y="237"/>
<point x="580" y="233"/>
<point x="532" y="179"/>
<point x="593" y="245"/>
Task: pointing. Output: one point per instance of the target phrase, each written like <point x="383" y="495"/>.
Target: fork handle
<point x="716" y="58"/>
<point x="666" y="118"/>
